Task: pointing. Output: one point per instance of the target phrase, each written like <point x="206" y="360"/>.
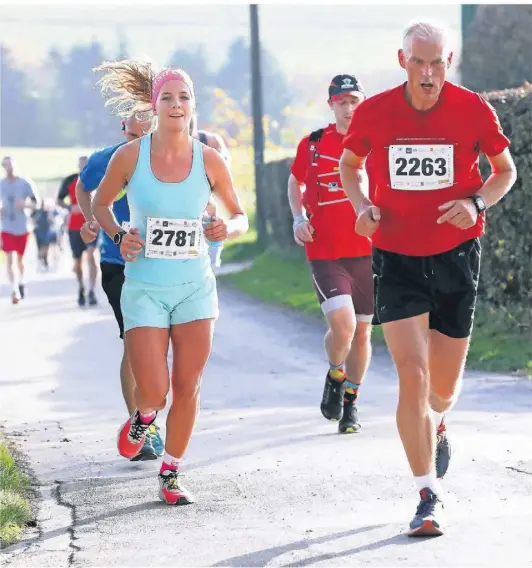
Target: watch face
<point x="479" y="203"/>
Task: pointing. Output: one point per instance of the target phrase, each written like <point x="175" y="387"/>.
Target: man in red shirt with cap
<point x="425" y="219"/>
<point x="340" y="260"/>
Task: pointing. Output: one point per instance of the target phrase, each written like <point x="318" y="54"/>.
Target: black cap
<point x="344" y="84"/>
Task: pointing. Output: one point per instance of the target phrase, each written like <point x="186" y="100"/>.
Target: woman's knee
<point x="152" y="395"/>
<point x="154" y="398"/>
<point x="186" y="389"/>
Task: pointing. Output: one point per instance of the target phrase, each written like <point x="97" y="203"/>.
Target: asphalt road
<point x="275" y="484"/>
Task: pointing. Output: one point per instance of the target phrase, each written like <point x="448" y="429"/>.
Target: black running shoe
<point x="81" y="298"/>
<point x="443" y="451"/>
<point x="349" y="423"/>
<point x="429" y="515"/>
<point x="333" y="399"/>
<point x="22" y="290"/>
<point x="92" y="298"/>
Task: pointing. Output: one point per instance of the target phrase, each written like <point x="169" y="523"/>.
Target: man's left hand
<point x="461" y="213"/>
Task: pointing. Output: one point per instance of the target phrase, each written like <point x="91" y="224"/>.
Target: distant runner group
<point x="387" y="201"/>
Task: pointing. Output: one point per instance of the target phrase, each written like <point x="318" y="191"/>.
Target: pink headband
<point x="166" y="76"/>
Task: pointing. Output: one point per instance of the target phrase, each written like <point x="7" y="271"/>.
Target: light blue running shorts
<point x="149" y="305"/>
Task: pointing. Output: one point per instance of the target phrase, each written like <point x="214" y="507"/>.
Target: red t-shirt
<point x="331" y="214"/>
<point x="422" y="160"/>
<point x="68" y="189"/>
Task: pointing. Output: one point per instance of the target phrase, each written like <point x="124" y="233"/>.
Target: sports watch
<point x="479" y="203"/>
<point x="117" y="239"/>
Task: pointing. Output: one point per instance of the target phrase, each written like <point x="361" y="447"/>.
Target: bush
<point x="496" y="50"/>
<point x="506" y="263"/>
<point x="15" y="511"/>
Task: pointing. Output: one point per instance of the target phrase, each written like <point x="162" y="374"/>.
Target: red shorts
<point x="14" y="243"/>
<point x="345" y="282"/>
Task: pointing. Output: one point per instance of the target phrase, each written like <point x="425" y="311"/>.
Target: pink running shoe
<point x="132" y="435"/>
<point x="172" y="491"/>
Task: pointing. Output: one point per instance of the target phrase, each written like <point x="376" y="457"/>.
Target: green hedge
<point x="507" y="255"/>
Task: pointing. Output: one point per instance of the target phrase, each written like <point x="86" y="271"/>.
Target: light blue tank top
<point x="149" y="197"/>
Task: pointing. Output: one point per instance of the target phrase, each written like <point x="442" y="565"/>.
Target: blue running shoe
<point x="155" y="439"/>
<point x="428" y="520"/>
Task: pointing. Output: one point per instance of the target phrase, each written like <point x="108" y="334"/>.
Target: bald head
<point x="134" y="128"/>
<point x="427" y="31"/>
<point x="7" y="164"/>
<point x="82" y="162"/>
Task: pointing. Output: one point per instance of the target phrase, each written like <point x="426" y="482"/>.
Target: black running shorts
<point x="443" y="285"/>
<point x="77" y="245"/>
<point x="112" y="282"/>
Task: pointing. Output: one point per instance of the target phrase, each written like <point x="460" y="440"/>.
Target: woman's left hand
<point x="216" y="230"/>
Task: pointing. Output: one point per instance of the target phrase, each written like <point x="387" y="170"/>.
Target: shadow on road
<point x="264" y="557"/>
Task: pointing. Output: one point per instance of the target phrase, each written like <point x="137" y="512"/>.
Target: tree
<point x="61" y="130"/>
<point x="82" y="106"/>
<point x="497" y="48"/>
<point x="123" y="48"/>
<point x="234" y="78"/>
<point x="19" y="106"/>
<point x="194" y="62"/>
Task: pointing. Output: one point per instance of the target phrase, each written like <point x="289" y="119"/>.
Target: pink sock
<point x="147" y="418"/>
<point x="169" y="462"/>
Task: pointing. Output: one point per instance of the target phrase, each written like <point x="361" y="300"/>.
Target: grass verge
<point x="244" y="248"/>
<point x="15" y="510"/>
<point x="500" y="341"/>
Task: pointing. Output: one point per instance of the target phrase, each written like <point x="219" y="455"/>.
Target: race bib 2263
<point x="421" y="167"/>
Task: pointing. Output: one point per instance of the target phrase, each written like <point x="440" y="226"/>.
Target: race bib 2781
<point x="174" y="238"/>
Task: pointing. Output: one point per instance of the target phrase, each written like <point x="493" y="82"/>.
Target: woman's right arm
<point x="118" y="172"/>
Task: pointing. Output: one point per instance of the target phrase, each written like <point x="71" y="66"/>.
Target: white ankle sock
<point x="429" y="481"/>
<point x="171" y="461"/>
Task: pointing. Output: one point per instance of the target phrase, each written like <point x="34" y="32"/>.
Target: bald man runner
<point x="425" y="221"/>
